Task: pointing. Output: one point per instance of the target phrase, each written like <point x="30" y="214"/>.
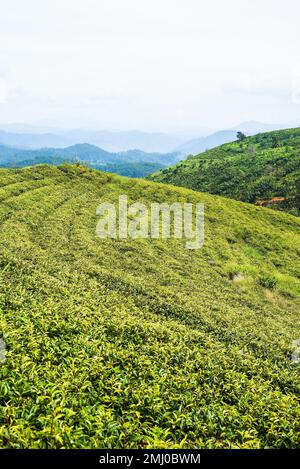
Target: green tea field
<point x="143" y="343"/>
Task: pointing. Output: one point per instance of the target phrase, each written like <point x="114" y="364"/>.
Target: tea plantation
<point x="143" y="343"/>
<point x="264" y="166"/>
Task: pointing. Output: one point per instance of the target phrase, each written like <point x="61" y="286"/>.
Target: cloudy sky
<point x="159" y="65"/>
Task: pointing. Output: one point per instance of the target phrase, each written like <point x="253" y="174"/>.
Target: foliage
<point x="133" y="170"/>
<point x="240" y="136"/>
<point x="143" y="343"/>
<point x="130" y="169"/>
<point x="260" y="167"/>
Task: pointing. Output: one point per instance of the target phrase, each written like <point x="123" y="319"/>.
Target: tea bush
<point x="143" y="343"/>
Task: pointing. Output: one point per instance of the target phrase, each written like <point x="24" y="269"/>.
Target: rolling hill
<point x="121" y="343"/>
<point x="263" y="169"/>
<point x="207" y="142"/>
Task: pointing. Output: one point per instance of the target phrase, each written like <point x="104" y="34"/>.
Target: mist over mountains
<point x="199" y="145"/>
<point x="111" y="141"/>
<point x="30" y="137"/>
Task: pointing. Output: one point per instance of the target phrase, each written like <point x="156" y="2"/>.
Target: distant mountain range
<point x="199" y="145"/>
<point x="89" y="153"/>
<point x="254" y="127"/>
<point x="33" y="137"/>
<point x="108" y="140"/>
<point x="133" y="163"/>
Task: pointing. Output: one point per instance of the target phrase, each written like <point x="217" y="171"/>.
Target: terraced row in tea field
<point x="143" y="343"/>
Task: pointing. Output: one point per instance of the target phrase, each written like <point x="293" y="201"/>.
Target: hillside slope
<point x="143" y="343"/>
<point x="251" y="171"/>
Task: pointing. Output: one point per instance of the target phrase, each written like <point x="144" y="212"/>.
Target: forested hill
<point x="262" y="169"/>
<point x="132" y="163"/>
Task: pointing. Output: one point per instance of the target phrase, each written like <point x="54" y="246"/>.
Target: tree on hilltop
<point x="240" y="136"/>
<point x="275" y="141"/>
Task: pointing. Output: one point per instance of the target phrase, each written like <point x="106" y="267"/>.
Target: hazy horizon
<point x="156" y="67"/>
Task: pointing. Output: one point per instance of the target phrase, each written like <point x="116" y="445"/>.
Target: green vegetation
<point x="258" y="168"/>
<point x="12" y="162"/>
<point x="131" y="163"/>
<point x="143" y="343"/>
<point x="241" y="136"/>
<point x="133" y="170"/>
<point x="130" y="169"/>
